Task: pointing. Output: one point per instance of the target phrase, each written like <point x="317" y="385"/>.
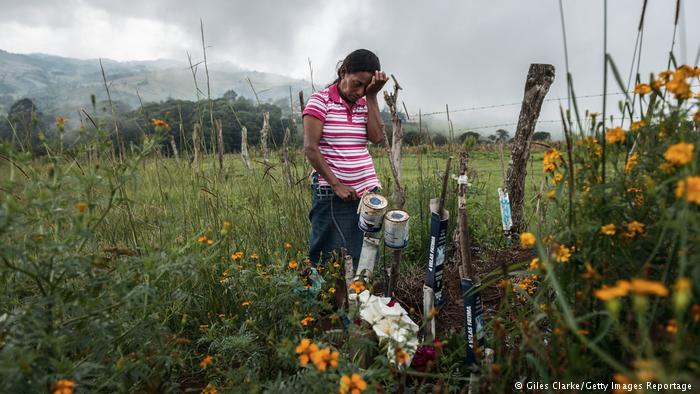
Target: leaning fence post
<point x="539" y="79"/>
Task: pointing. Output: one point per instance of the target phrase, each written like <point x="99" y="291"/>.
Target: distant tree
<point x="462" y="137"/>
<point x="541" y="136"/>
<point x="412" y="138"/>
<point x="26" y="120"/>
<point x="230" y="95"/>
<point x="439" y="139"/>
<point x="492" y="138"/>
<point x="503" y="135"/>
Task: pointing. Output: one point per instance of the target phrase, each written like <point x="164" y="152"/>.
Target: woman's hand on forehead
<point x="377" y="83"/>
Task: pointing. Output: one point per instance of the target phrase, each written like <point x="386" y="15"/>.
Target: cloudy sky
<point x="463" y="53"/>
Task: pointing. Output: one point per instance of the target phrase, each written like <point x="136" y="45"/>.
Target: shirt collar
<point x="334" y="95"/>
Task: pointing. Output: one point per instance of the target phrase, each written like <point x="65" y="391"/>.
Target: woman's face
<point x="352" y="85"/>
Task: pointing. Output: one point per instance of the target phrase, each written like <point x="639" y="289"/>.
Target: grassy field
<point x="168" y="203"/>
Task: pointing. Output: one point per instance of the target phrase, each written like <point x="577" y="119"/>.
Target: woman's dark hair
<point x="357" y="61"/>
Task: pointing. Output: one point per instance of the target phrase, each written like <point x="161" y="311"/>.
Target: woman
<point x="338" y="123"/>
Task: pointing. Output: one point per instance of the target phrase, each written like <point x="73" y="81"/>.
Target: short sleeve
<point x="316" y="107"/>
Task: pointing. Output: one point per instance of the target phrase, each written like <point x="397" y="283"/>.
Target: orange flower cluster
<point x="615" y="135"/>
<point x="689" y="188"/>
<point x="160" y="123"/>
<point x="306" y="320"/>
<point x="551" y="160"/>
<point x="236" y="256"/>
<point x="203" y="239"/>
<point x="634" y="228"/>
<point x="322" y="358"/>
<point x="679" y="154"/>
<point x="635" y="286"/>
<point x="527" y="240"/>
<point x="60" y="122"/>
<point x="608" y="229"/>
<point x="63" y="386"/>
<point x="206" y="361"/>
<point x="563" y="254"/>
<point x="352" y="384"/>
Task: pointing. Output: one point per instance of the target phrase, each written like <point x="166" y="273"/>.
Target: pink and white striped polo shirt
<point x="344" y="139"/>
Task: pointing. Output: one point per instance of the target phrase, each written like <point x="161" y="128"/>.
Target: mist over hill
<point x="60" y="86"/>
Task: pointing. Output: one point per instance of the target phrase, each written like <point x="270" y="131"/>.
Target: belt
<point x="323" y="191"/>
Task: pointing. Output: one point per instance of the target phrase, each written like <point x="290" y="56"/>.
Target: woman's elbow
<point x="310" y="150"/>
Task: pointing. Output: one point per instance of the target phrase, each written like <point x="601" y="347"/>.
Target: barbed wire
<point x="483" y="107"/>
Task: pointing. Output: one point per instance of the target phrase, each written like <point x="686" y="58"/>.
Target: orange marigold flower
<point x="358" y="286"/>
<point x="226" y="225"/>
<point x="608" y="229"/>
<point x="210" y="242"/>
<point x="648" y="287"/>
<point x="203" y="326"/>
<point x="615" y="135"/>
<point x="696" y="117"/>
<point x="160" y="123"/>
<point x="254" y="256"/>
<point x="551" y="160"/>
<point x="60" y="122"/>
<point x="552" y="194"/>
<point x="305" y="349"/>
<point x="690" y="188"/>
<point x="637" y="125"/>
<point x="246" y="303"/>
<point x="679" y="154"/>
<point x="680" y="88"/>
<point x="672" y="326"/>
<point x="236" y="256"/>
<point x="665" y="75"/>
<point x="81" y="207"/>
<point x="527" y="240"/>
<point x="591" y="272"/>
<point x="324" y="358"/>
<point x="63" y="386"/>
<point x="210" y="389"/>
<point x="206" y="361"/>
<point x="558" y="177"/>
<point x="535" y="264"/>
<point x="642" y="89"/>
<point x="202" y="239"/>
<point x="352" y="384"/>
<point x="606" y="293"/>
<point x="563" y="254"/>
<point x="401" y="356"/>
<point x="293" y="264"/>
<point x="306" y="320"/>
<point x="635" y="228"/>
<point x="287" y="245"/>
<point x="432" y="312"/>
<point x="331" y="290"/>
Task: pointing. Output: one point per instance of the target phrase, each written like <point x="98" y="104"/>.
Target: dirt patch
<point x="451" y="314"/>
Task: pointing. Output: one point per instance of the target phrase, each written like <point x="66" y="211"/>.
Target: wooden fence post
<point x="539" y="79"/>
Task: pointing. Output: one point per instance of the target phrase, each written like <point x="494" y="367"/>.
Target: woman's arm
<point x="312" y="136"/>
<point x="375" y="126"/>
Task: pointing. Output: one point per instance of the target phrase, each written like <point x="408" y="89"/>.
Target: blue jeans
<point x="334" y="224"/>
